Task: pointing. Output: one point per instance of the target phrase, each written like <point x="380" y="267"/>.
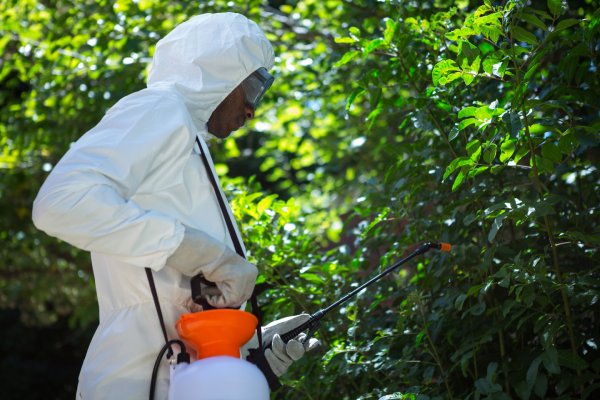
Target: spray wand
<point x="257" y="357"/>
<point x="313" y="322"/>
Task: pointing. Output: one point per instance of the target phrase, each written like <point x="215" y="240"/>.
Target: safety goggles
<point x="256" y="85"/>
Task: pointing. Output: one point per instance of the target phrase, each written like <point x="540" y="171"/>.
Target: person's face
<point x="230" y="115"/>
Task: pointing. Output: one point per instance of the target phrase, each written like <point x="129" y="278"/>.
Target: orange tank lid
<point x="217" y="332"/>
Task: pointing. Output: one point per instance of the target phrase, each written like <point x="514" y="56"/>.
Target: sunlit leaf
<point x="346" y="58"/>
<point x="522" y="35"/>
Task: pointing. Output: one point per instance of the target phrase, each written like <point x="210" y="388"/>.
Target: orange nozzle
<point x="445" y="247"/>
<point x="217" y="332"/>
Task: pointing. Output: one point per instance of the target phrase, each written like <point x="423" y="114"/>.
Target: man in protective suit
<point x="134" y="192"/>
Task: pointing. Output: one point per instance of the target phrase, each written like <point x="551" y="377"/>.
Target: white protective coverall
<point x="126" y="189"/>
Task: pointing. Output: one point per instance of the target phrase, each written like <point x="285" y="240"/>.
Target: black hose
<point x="183" y="356"/>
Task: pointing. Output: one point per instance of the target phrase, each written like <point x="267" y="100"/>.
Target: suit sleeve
<point x="85" y="200"/>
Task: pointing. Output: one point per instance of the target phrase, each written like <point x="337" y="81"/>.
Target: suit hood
<point x="206" y="58"/>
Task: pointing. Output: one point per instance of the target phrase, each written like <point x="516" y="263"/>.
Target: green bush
<point x="390" y="124"/>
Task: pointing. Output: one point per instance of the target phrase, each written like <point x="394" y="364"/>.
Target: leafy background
<point x="391" y="123"/>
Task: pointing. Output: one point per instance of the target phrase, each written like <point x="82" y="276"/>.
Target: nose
<point x="249" y="112"/>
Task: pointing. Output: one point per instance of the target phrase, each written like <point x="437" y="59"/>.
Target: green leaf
<point x="459" y="301"/>
<point x="353" y="96"/>
<point x="532" y="68"/>
<point x="534" y="20"/>
<point x="311" y="277"/>
<point x="373" y="45"/>
<point x="463" y="32"/>
<point x="496" y="225"/>
<point x="455" y="164"/>
<point x="544" y="165"/>
<point x="442" y="69"/>
<point x="486" y="387"/>
<point x="345" y="40"/>
<point x="265" y="203"/>
<point x="476" y="171"/>
<point x="550" y="360"/>
<point x="489" y="154"/>
<point x="474" y="149"/>
<point x="565" y="23"/>
<point x="390" y="30"/>
<point x="468" y="77"/>
<point x="505" y="282"/>
<point x="380" y="217"/>
<point x="375" y="96"/>
<point x="477" y="309"/>
<point x="453" y="134"/>
<point x="467" y="52"/>
<point x="555" y="7"/>
<point x="443" y="105"/>
<point x="419" y="338"/>
<point x="484" y="113"/>
<point x="459" y="179"/>
<point x="523" y="390"/>
<point x="523" y="36"/>
<point x="467" y="112"/>
<point x="469" y="219"/>
<point x="542" y="210"/>
<point x="551" y="151"/>
<point x="513" y="122"/>
<point x="520" y="153"/>
<point x="466" y="122"/>
<point x="374" y="114"/>
<point x="476" y="65"/>
<point x="541" y="385"/>
<point x="488" y="65"/>
<point x="451" y="77"/>
<point x="567" y="359"/>
<point x="532" y="371"/>
<point x="346" y="58"/>
<point x="354" y="31"/>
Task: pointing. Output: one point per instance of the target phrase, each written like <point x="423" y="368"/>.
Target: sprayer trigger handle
<point x="311" y="332"/>
<point x="286" y="337"/>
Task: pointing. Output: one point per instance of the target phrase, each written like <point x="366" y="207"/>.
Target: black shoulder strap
<point x="213" y="182"/>
<point x="232" y="233"/>
<point x="158" y="310"/>
<point x="238" y="248"/>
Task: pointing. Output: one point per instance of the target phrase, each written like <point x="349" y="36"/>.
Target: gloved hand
<point x="201" y="253"/>
<point x="281" y="355"/>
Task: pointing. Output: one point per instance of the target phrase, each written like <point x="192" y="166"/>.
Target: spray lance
<point x="217" y="335"/>
<point x="314" y="320"/>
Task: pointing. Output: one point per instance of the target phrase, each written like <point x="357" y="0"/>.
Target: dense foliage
<point x="390" y="124"/>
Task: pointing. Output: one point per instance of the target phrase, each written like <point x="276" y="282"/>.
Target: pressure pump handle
<point x="196" y="285"/>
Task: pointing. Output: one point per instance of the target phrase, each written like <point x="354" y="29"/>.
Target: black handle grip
<point x="309" y="325"/>
<point x="196" y="285"/>
<point x="286" y="337"/>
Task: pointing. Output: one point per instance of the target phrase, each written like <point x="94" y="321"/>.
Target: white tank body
<point x="218" y="378"/>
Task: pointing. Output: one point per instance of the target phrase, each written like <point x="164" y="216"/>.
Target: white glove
<point x="281" y="355"/>
<point x="201" y="253"/>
